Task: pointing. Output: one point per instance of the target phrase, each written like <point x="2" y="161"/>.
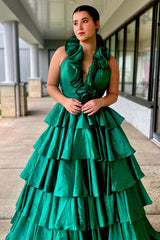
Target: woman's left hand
<point x="91" y="107"/>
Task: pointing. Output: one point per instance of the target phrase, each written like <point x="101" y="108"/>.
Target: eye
<point x="85" y="21"/>
<point x="75" y="23"/>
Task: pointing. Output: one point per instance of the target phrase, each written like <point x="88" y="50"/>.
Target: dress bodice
<point x="71" y="74"/>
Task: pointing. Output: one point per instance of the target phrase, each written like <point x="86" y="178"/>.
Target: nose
<point x="80" y="25"/>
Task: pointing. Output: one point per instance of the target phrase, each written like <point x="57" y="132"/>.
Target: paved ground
<point x="17" y="136"/>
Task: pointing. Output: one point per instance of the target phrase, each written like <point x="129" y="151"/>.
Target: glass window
<point x="157" y="120"/>
<point x="144" y="47"/>
<point x="112" y="50"/>
<point x="155" y="60"/>
<point x="158" y="114"/>
<point x="129" y="63"/>
<point x="51" y="53"/>
<point x="120" y="55"/>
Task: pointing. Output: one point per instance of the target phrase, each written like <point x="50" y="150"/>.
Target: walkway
<point x="17" y="136"/>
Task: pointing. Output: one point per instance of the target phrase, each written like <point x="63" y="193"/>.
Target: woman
<point x="83" y="181"/>
<point x="85" y="28"/>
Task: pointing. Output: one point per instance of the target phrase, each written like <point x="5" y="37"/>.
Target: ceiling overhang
<point x="14" y="11"/>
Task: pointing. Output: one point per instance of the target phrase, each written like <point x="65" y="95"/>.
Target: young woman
<point x="83" y="181"/>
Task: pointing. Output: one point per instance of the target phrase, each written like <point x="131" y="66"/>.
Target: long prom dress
<point x="82" y="181"/>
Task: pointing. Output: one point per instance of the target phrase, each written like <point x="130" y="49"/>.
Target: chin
<point x="81" y="37"/>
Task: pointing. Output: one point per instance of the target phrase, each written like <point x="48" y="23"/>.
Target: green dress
<point x="82" y="181"/>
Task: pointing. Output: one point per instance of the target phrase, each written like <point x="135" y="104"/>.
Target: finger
<point x="75" y="108"/>
<point x="86" y="106"/>
<point x="87" y="109"/>
<point x="91" y="113"/>
<point x="94" y="111"/>
<point x="77" y="101"/>
<point x="79" y="105"/>
<point x="76" y="112"/>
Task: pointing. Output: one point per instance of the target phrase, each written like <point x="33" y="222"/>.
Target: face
<point x="83" y="26"/>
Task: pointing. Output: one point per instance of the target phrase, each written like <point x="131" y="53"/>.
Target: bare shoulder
<point x="113" y="63"/>
<point x="59" y="55"/>
<point x="60" y="50"/>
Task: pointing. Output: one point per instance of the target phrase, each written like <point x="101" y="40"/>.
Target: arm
<point x="113" y="89"/>
<point x="72" y="105"/>
<point x="53" y="77"/>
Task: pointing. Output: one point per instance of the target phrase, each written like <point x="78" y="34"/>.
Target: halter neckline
<point x="75" y="53"/>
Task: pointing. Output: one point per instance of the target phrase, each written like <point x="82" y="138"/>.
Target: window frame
<point x="149" y="101"/>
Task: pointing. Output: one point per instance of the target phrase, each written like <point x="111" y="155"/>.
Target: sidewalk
<point x="17" y="136"/>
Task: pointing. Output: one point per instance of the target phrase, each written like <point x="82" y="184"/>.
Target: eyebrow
<point x="82" y="19"/>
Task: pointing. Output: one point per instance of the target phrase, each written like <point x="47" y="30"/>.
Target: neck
<point x="89" y="47"/>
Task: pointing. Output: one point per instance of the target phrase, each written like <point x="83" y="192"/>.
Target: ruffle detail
<point x="103" y="151"/>
<point x="72" y="47"/>
<point x="85" y="213"/>
<point x="139" y="230"/>
<point x="86" y="177"/>
<point x="95" y="142"/>
<point x="105" y="116"/>
<point x="87" y="90"/>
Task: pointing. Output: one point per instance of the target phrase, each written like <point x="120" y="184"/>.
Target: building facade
<point x="136" y="46"/>
<point x="131" y="30"/>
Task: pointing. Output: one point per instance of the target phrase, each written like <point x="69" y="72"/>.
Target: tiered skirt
<point x="82" y="182"/>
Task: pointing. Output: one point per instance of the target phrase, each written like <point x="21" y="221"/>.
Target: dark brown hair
<point x="91" y="10"/>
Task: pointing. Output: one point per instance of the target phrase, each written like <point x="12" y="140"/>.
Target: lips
<point x="81" y="33"/>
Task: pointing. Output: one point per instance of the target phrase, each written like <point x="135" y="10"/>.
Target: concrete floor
<point x="17" y="136"/>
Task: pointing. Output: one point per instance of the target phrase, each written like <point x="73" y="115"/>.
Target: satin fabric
<point x="82" y="181"/>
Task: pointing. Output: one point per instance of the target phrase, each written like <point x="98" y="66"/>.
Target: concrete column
<point x="8" y="51"/>
<point x="34" y="63"/>
<point x="12" y="71"/>
<point x="34" y="82"/>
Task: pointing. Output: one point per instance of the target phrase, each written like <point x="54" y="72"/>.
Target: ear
<point x="97" y="24"/>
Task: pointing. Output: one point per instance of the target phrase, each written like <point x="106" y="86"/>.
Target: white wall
<point x="137" y="115"/>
